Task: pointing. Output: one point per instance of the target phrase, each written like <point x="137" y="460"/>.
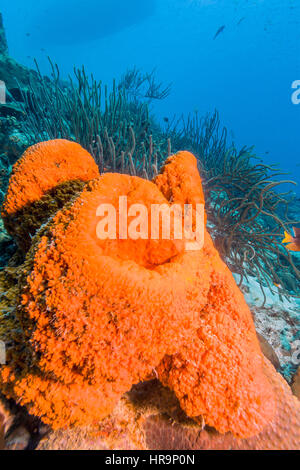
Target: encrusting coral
<point x="97" y="316"/>
<point x="47" y="176"/>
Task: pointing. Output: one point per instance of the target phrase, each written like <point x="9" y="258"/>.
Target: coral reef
<point x="97" y="316"/>
<point x="246" y="212"/>
<point x="84" y="320"/>
<point x="45" y="178"/>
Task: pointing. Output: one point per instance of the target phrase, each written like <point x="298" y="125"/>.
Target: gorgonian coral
<point x="42" y="181"/>
<point x="115" y="126"/>
<point x="246" y="210"/>
<point x="97" y="316"/>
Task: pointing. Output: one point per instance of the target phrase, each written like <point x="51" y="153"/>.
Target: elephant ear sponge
<point x="47" y="176"/>
<point x="98" y="315"/>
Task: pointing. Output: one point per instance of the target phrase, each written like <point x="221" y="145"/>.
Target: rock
<point x="6" y="420"/>
<point x="268" y="351"/>
<point x="296" y="384"/>
<point x="18" y="439"/>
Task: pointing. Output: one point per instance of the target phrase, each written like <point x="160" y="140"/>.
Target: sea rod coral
<point x="97" y="316"/>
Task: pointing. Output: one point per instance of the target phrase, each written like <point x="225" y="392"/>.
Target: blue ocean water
<point x="246" y="71"/>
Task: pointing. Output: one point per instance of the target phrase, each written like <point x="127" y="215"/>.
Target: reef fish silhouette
<point x="220" y="30"/>
<point x="293" y="241"/>
<point x="74" y="21"/>
<point x="241" y="20"/>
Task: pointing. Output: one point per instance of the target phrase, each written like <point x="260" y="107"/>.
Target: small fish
<point x="293" y="241"/>
<point x="28" y="34"/>
<point x="166" y="119"/>
<point x="220" y="30"/>
<point x="241" y="20"/>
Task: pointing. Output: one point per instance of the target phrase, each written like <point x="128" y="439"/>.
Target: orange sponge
<point x="98" y="315"/>
<point x="179" y="180"/>
<point x="219" y="374"/>
<point x="42" y="181"/>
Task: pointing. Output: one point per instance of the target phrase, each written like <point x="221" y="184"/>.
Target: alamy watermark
<point x="2" y="92"/>
<point x="161" y="221"/>
<point x="295" y="347"/>
<point x="296" y="94"/>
